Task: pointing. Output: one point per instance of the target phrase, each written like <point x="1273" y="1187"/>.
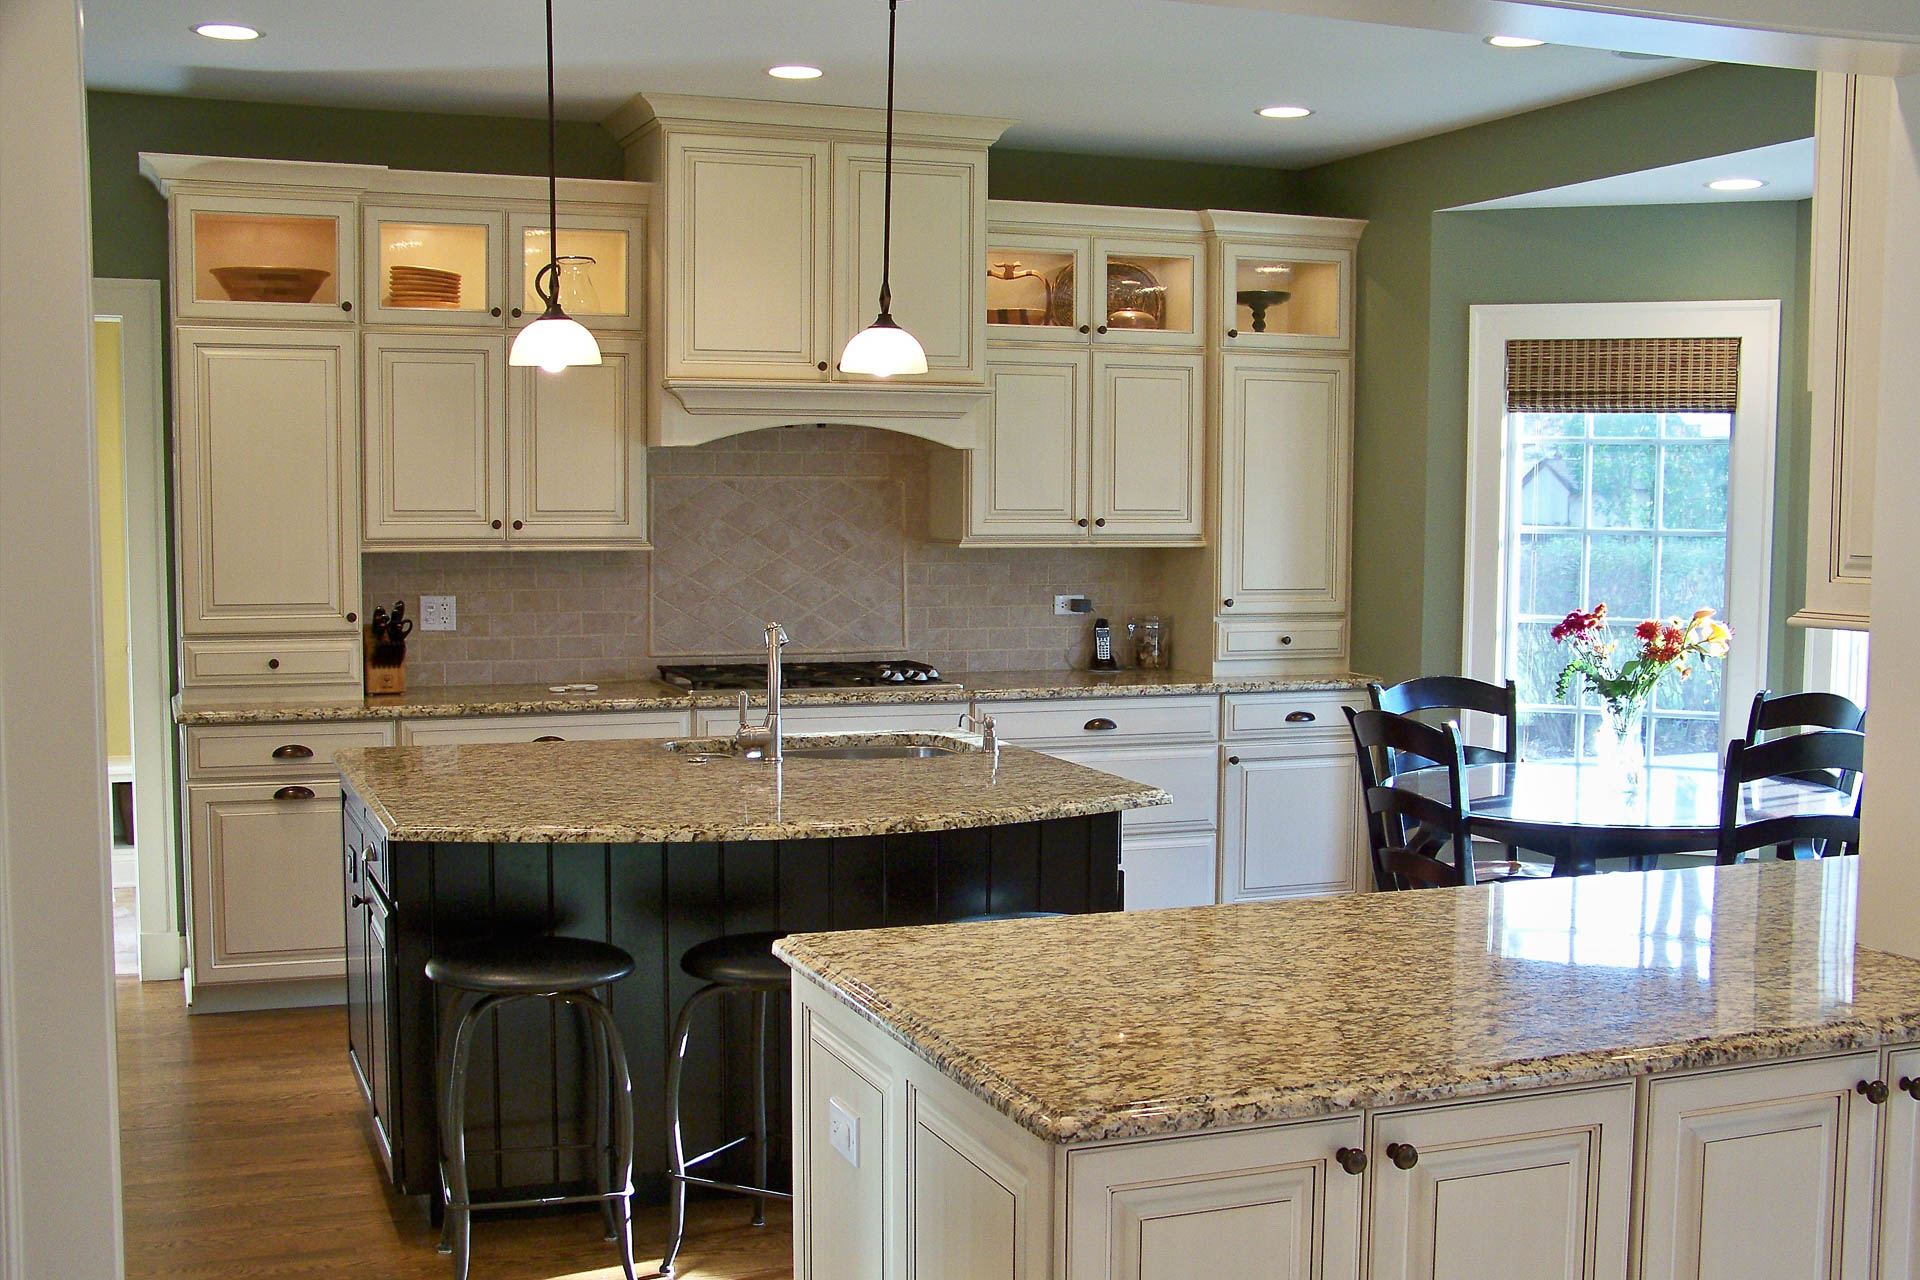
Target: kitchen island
<point x="655" y="850"/>
<point x="1682" y="1073"/>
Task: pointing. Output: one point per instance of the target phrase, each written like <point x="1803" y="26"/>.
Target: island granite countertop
<point x="651" y="695"/>
<point x="638" y="792"/>
<point x="1146" y="1023"/>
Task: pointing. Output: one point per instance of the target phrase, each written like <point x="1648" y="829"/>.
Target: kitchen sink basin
<point x="833" y="746"/>
<point x="875" y="751"/>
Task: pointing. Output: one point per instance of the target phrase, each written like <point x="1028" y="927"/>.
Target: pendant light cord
<point x="553" y="179"/>
<point x="886" y="217"/>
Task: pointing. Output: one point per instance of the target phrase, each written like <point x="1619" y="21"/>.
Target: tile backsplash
<point x="821" y="528"/>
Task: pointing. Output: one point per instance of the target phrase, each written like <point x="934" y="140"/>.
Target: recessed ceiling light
<point x="1735" y="184"/>
<point x="1514" y="42"/>
<point x="795" y="72"/>
<point x="226" y="31"/>
<point x="1286" y="113"/>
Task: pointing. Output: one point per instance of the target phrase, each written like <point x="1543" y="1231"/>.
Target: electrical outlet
<point x="436" y="613"/>
<point x="1069" y="606"/>
<point x="843" y="1131"/>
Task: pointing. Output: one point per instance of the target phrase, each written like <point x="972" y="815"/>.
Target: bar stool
<point x="739" y="964"/>
<point x="564" y="970"/>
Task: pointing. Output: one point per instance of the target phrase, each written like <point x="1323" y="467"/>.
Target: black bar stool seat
<point x="987" y="917"/>
<point x="484" y="975"/>
<point x="529" y="966"/>
<point x="740" y="959"/>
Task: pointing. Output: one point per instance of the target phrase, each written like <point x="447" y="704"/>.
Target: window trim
<point x="1756" y="322"/>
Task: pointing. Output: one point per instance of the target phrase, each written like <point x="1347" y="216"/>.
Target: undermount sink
<point x="832" y="746"/>
<point x="875" y="751"/>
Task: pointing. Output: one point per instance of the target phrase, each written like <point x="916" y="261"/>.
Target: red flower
<point x="1647" y="630"/>
<point x="1579" y="625"/>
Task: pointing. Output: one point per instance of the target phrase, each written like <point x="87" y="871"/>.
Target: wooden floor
<point x="244" y="1156"/>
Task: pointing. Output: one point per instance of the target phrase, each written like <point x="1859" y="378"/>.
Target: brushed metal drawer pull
<point x="550" y="737"/>
<point x="293" y="751"/>
<point x="1100" y="724"/>
<point x="294" y="793"/>
<point x="1300" y="717"/>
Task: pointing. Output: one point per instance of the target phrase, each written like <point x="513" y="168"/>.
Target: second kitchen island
<point x="655" y="850"/>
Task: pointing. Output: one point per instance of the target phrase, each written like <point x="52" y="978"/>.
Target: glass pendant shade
<point x="883" y="349"/>
<point x="554" y="342"/>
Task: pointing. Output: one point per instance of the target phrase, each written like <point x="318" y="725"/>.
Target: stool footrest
<point x="538" y="1202"/>
<point x="735" y="1187"/>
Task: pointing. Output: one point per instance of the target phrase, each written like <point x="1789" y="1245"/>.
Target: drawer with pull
<point x="286" y="749"/>
<point x="577" y="727"/>
<point x="1073" y="720"/>
<point x="270" y="662"/>
<point x="1268" y="715"/>
<point x="1280" y="638"/>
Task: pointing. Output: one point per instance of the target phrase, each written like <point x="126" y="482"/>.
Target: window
<point x="1642" y="499"/>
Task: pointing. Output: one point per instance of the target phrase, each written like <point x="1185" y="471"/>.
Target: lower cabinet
<point x="1900" y="1169"/>
<point x="551" y="728"/>
<point x="369" y="984"/>
<point x="1536" y="1186"/>
<point x="265" y="876"/>
<point x="1290" y="821"/>
<point x="1763" y="1171"/>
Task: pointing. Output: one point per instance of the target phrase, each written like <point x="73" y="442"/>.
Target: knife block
<point x="386" y="663"/>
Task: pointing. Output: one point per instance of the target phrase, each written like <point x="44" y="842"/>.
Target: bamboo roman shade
<point x="1622" y="375"/>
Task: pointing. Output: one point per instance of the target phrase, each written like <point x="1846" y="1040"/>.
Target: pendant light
<point x="556" y="340"/>
<point x="883" y="348"/>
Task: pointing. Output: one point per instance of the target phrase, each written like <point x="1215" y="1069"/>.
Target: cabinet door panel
<point x="1148" y="447"/>
<point x="255" y="238"/>
<point x="939" y="244"/>
<point x="1291" y="824"/>
<point x="1536" y="1187"/>
<point x="1264" y="1204"/>
<point x="266" y="883"/>
<point x="1285" y="441"/>
<point x="1169" y="871"/>
<point x="1900" y="1173"/>
<point x="266" y="511"/>
<point x="1765" y="1171"/>
<point x="579" y="451"/>
<point x="746" y="259"/>
<point x="436" y="437"/>
<point x="1029" y="478"/>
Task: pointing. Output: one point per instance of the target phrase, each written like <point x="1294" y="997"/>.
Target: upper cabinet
<point x="1852" y="126"/>
<point x="435" y="266"/>
<point x="261" y="258"/>
<point x="767" y="252"/>
<point x="602" y="258"/>
<point x="1049" y="280"/>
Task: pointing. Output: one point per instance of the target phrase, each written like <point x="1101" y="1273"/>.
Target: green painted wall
<point x="1635" y="254"/>
<point x="1408" y="466"/>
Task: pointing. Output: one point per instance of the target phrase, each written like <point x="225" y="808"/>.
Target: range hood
<point x="696" y="412"/>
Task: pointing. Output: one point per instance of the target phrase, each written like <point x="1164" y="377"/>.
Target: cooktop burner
<point x="801" y="675"/>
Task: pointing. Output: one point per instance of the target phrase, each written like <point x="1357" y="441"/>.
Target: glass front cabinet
<point x="435" y="266"/>
<point x="601" y="257"/>
<point x="1285" y="297"/>
<point x="252" y="258"/>
<point x="1104" y="290"/>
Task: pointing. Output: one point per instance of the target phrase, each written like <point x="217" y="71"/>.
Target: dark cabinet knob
<point x="1403" y="1155"/>
<point x="519" y="525"/>
<point x="1299" y="717"/>
<point x="495" y="311"/>
<point x="1910" y="1087"/>
<point x="273" y="664"/>
<point x="549" y="737"/>
<point x="1352" y="1159"/>
<point x="357" y="900"/>
<point x="353" y="617"/>
<point x="346" y="306"/>
<point x="1233" y="333"/>
<point x="1082" y="522"/>
<point x="1286" y="639"/>
<point x="294" y="793"/>
<point x="515" y="313"/>
<point x="1100" y="523"/>
<point x="1874" y="1091"/>
<point x="1100" y="724"/>
<point x="496" y="524"/>
<point x="1227" y="603"/>
<point x="1101" y="329"/>
<point x="293" y="751"/>
<point x="1083" y="328"/>
<point x="1233" y="759"/>
<point x="822" y="366"/>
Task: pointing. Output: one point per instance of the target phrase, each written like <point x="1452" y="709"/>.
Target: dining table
<point x="1584" y="813"/>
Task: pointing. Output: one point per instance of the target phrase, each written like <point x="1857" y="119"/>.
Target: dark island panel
<point x="655" y="901"/>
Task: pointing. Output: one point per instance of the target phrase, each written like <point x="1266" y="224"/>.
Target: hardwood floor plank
<point x="244" y="1156"/>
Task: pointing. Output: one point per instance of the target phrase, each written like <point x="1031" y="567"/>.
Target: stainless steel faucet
<point x="762" y="741"/>
<point x="971" y="721"/>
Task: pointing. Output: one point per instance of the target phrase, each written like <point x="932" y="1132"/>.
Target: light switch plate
<point x="843" y="1131"/>
<point x="436" y="613"/>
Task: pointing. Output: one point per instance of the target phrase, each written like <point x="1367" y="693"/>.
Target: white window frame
<point x="1756" y="323"/>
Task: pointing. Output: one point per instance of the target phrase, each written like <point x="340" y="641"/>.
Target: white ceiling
<point x="1786" y="168"/>
<point x="1134" y="77"/>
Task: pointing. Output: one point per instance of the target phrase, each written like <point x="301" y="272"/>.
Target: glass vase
<point x="1620" y="746"/>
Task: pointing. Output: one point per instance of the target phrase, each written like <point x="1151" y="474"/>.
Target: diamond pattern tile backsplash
<point x="820" y="528"/>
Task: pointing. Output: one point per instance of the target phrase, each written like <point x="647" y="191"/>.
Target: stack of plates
<point x="422" y="287"/>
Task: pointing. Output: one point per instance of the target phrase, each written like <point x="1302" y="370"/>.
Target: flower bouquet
<point x="1624" y="687"/>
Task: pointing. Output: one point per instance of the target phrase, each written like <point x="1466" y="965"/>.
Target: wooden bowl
<point x="270" y="284"/>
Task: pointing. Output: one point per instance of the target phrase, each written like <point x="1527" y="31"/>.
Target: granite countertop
<point x="1159" y="1022"/>
<point x="651" y="695"/>
<point x="638" y="792"/>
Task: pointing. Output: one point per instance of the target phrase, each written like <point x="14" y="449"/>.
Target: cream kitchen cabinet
<point x="1092" y="275"/>
<point x="585" y="727"/>
<point x="264" y="258"/>
<point x="1082" y="448"/>
<point x="1761" y="1171"/>
<point x="1537" y="1186"/>
<point x="436" y="264"/>
<point x="1899" y="1243"/>
<point x="1290" y="822"/>
<point x="266" y="513"/>
<point x="463" y="451"/>
<point x="266" y="881"/>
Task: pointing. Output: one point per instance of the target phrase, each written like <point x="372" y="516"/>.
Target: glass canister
<point x="1152" y="650"/>
<point x="578" y="296"/>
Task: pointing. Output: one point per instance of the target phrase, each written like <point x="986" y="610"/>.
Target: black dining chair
<point x="1428" y="829"/>
<point x="1458" y="693"/>
<point x="1800" y="711"/>
<point x="1821" y="757"/>
<point x="1386" y="742"/>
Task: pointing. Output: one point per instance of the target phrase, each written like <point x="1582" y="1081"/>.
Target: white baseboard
<point x="301" y="993"/>
<point x="161" y="957"/>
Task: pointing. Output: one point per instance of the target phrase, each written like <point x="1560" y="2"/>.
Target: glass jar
<point x="1151" y="648"/>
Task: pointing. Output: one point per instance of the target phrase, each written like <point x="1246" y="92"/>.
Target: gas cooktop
<point x="802" y="675"/>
